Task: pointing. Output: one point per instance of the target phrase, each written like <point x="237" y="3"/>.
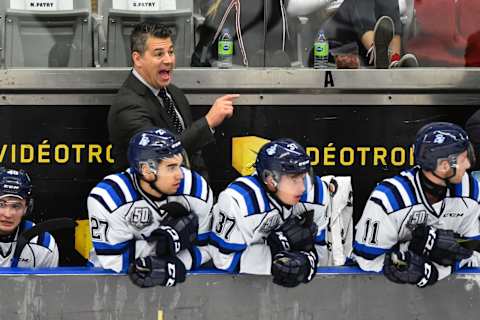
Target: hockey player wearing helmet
<point x="412" y="223"/>
<point x="151" y="220"/>
<point x="272" y="222"/>
<point x="15" y="202"/>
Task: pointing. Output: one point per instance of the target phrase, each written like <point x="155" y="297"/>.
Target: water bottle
<point x="320" y="51"/>
<point x="225" y="49"/>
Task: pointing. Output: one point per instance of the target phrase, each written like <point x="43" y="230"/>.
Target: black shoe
<point x="383" y="35"/>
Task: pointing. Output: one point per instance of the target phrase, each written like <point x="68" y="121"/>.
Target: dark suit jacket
<point x="136" y="108"/>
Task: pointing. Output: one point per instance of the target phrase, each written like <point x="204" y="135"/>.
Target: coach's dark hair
<point x="143" y="30"/>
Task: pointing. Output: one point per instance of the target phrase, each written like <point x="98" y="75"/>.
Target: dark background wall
<point x="54" y="111"/>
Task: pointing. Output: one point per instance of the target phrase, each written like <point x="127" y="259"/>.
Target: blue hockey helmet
<point x="282" y="156"/>
<point x="441" y="141"/>
<point x="151" y="146"/>
<point x="15" y="183"/>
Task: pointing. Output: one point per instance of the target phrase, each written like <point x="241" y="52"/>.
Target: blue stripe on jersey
<point x="319" y="193"/>
<point x="390" y="196"/>
<point x="197" y="258"/>
<point x="407" y="186"/>
<point x="247" y="196"/>
<point x="259" y="184"/>
<point x="235" y="261"/>
<point x="198" y="184"/>
<point x="26" y="225"/>
<point x="193" y="184"/>
<point x="474" y="188"/>
<point x="304" y="195"/>
<point x="133" y="193"/>
<point x="111" y="192"/>
<point x="45" y="241"/>
<point x="320" y="239"/>
<point x="367" y="252"/>
<point x="458" y="189"/>
<point x="228" y="247"/>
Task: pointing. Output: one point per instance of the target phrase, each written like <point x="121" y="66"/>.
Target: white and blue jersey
<point x="244" y="216"/>
<point x="397" y="205"/>
<point x="40" y="252"/>
<point x="122" y="216"/>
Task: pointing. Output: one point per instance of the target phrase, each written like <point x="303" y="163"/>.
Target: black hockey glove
<point x="295" y="235"/>
<point x="407" y="267"/>
<point x="438" y="245"/>
<point x="153" y="271"/>
<point x="290" y="268"/>
<point x="174" y="210"/>
<point x="175" y="234"/>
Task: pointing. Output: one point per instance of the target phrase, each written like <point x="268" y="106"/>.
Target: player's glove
<point x="178" y="230"/>
<point x="438" y="245"/>
<point x="290" y="268"/>
<point x="154" y="271"/>
<point x="295" y="234"/>
<point x="407" y="267"/>
<point x="174" y="210"/>
<point x="175" y="235"/>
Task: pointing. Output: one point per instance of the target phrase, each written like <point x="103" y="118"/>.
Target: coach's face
<point x="156" y="64"/>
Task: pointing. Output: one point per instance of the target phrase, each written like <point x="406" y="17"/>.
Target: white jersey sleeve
<point x="113" y="242"/>
<point x="375" y="235"/>
<point x="46" y="252"/>
<point x="227" y="239"/>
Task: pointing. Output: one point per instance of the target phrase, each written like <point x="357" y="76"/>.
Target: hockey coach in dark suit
<point x="148" y="99"/>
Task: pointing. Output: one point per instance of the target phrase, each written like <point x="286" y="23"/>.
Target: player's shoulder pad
<point x="396" y="193"/>
<point x="250" y="194"/>
<point x="115" y="190"/>
<point x="194" y="185"/>
<point x="45" y="239"/>
<point x="468" y="188"/>
<point x="316" y="191"/>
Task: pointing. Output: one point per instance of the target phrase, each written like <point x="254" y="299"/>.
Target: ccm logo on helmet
<point x="8" y="186"/>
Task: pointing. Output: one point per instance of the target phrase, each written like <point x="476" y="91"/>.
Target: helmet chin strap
<point x="153" y="185"/>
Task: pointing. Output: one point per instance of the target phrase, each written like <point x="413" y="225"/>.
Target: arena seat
<point x="54" y="33"/>
<point x="118" y="17"/>
<point x="441" y="38"/>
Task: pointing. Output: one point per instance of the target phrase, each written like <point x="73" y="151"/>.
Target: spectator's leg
<point x="374" y="35"/>
<point x="391" y="9"/>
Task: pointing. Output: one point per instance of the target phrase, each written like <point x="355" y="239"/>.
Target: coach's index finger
<point x="230" y="97"/>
